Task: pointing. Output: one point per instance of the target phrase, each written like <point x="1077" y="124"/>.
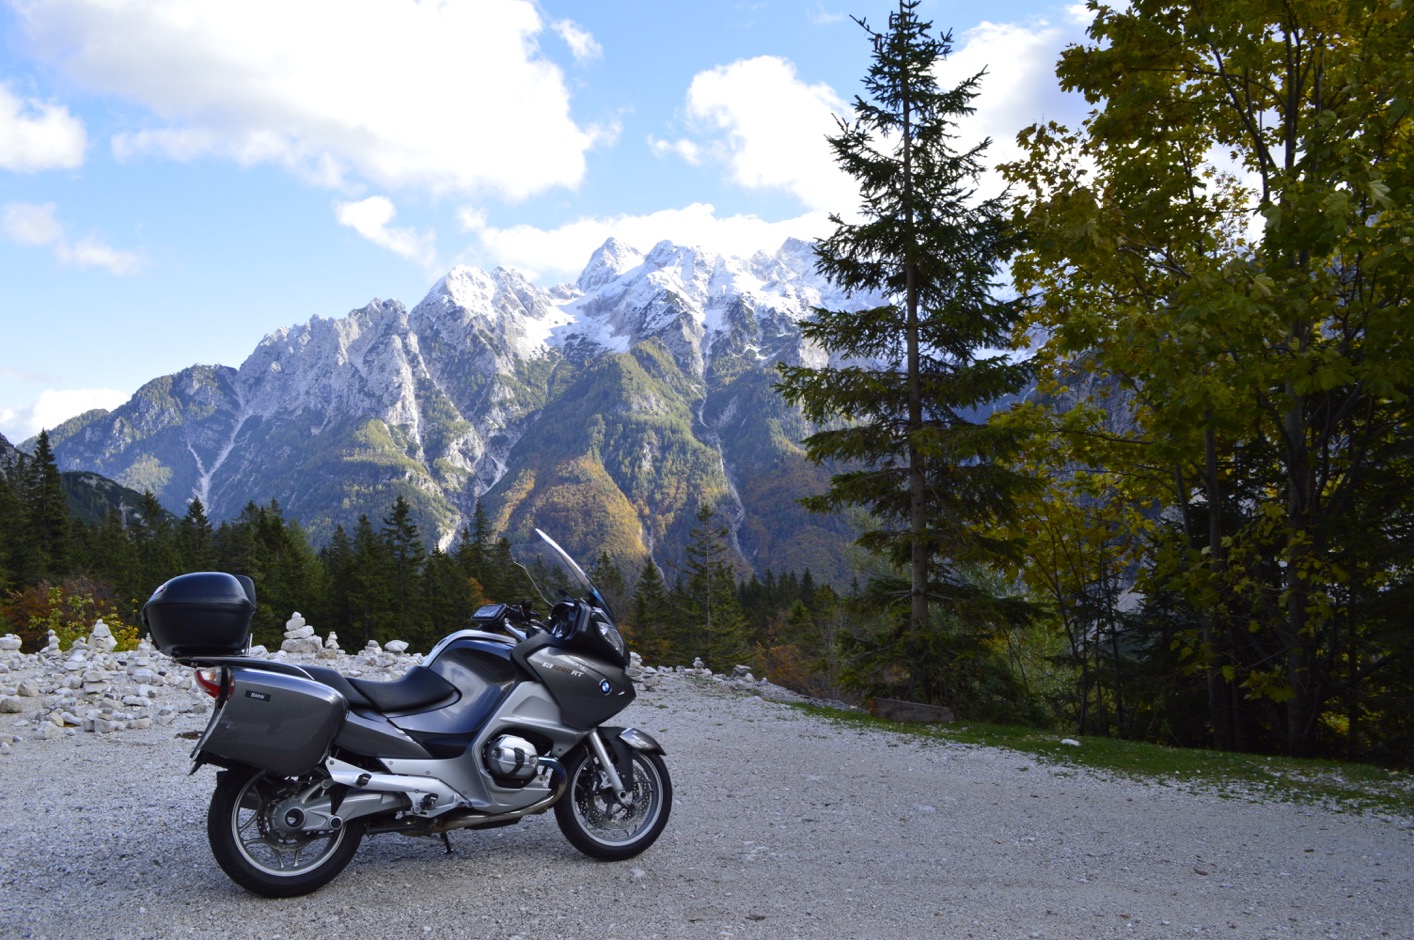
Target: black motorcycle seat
<point x="419" y="688"/>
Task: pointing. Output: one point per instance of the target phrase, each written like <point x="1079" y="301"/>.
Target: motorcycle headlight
<point x="611" y="635"/>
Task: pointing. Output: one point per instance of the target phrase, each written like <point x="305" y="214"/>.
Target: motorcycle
<point x="500" y="722"/>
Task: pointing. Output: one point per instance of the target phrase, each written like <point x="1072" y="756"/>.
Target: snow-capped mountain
<point x="611" y="406"/>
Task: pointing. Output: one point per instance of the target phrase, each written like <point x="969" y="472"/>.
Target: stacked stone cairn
<point x="94" y="688"/>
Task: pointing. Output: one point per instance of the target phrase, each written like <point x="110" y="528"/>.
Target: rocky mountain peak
<point x="493" y="388"/>
<point x="609" y="261"/>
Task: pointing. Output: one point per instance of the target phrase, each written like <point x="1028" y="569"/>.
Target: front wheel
<point x="597" y="823"/>
<point x="249" y="826"/>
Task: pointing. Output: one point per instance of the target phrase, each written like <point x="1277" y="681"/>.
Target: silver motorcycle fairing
<point x="528" y="707"/>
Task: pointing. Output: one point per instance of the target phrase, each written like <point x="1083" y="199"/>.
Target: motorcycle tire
<point x="594" y="820"/>
<point x="260" y="855"/>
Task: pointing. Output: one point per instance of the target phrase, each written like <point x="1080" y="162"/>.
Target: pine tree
<point x="406" y="555"/>
<point x="712" y="624"/>
<point x="195" y="538"/>
<point x="11" y="525"/>
<point x="648" y="623"/>
<point x="475" y="546"/>
<point x="154" y="543"/>
<point x="610" y="581"/>
<point x="900" y="417"/>
<point x="46" y="515"/>
<point x="370" y="588"/>
<point x="448" y="599"/>
<point x="337" y="559"/>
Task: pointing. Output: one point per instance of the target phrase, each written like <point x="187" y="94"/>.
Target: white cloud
<point x="559" y="255"/>
<point x="763" y="123"/>
<point x="35" y="225"/>
<point x="819" y="16"/>
<point x="1019" y="88"/>
<point x="768" y="128"/>
<point x="441" y="97"/>
<point x="371" y="218"/>
<point x="582" y="44"/>
<point x="37" y="136"/>
<point x="89" y="252"/>
<point x="54" y="407"/>
<point x="31" y="224"/>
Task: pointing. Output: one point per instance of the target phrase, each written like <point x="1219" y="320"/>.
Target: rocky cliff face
<point x="608" y="409"/>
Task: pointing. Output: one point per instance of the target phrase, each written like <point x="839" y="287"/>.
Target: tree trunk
<point x="1220" y="710"/>
<point x="917" y="478"/>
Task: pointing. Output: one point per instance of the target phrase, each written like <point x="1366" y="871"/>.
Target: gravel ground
<point x="784" y="825"/>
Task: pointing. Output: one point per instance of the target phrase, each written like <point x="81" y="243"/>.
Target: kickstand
<point x="448" y="843"/>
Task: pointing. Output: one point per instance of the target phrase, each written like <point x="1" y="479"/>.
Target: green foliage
<point x="69" y="609"/>
<point x="1267" y="367"/>
<point x="959" y="661"/>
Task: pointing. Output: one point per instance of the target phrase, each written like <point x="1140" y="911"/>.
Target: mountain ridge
<point x="621" y="380"/>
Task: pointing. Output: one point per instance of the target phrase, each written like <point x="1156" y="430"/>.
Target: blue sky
<point x="178" y="178"/>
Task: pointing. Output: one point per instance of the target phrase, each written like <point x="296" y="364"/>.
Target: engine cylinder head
<point x="512" y="757"/>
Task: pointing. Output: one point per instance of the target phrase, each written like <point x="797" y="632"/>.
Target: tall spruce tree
<point x="648" y="622"/>
<point x="406" y="555"/>
<point x="901" y="405"/>
<point x="46" y="515"/>
<point x="712" y="623"/>
<point x="11" y="530"/>
<point x="196" y="539"/>
<point x="370" y="587"/>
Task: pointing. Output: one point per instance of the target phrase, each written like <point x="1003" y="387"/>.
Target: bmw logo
<point x="605" y="687"/>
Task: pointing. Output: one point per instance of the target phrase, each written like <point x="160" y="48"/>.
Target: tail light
<point x="211" y="681"/>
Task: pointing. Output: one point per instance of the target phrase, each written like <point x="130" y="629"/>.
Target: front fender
<point x="638" y="740"/>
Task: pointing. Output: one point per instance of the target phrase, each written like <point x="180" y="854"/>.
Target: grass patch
<point x="1340" y="787"/>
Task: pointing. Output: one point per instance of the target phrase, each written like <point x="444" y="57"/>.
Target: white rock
<point x="10" y="642"/>
<point x="101" y="639"/>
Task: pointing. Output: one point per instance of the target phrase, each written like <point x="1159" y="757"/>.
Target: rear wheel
<point x="253" y="828"/>
<point x="600" y="825"/>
